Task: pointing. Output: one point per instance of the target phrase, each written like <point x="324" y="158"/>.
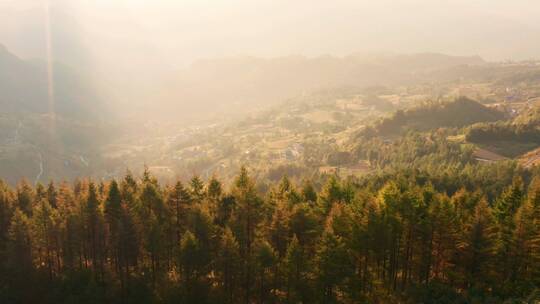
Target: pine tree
<point x="247" y="218"/>
<point x="386" y="238"/>
<point x="6" y="212"/>
<point x="25" y="197"/>
<point x="93" y="228"/>
<point x="214" y="190"/>
<point x="534" y="205"/>
<point x="505" y="210"/>
<point x="522" y="248"/>
<point x="333" y="266"/>
<point x="228" y="266"/>
<point x="331" y="194"/>
<point x="295" y="269"/>
<point x="446" y="233"/>
<point x="308" y="192"/>
<point x="129" y="188"/>
<point x="113" y="212"/>
<point x="129" y="245"/>
<point x="113" y="204"/>
<point x="19" y="264"/>
<point x="193" y="265"/>
<point x="179" y="201"/>
<point x="46" y="222"/>
<point x="478" y="247"/>
<point x="283" y="190"/>
<point x="196" y="187"/>
<point x="52" y="194"/>
<point x="279" y="228"/>
<point x="201" y="225"/>
<point x="305" y="224"/>
<point x="265" y="260"/>
<point x="224" y="210"/>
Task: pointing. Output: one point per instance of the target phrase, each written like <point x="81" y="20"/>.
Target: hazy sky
<point x="180" y="31"/>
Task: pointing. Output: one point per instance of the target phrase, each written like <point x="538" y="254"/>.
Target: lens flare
<point x="50" y="67"/>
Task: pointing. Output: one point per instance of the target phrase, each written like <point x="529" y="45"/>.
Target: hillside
<point x="455" y="114"/>
<point x="313" y="133"/>
<point x="37" y="145"/>
<point x="238" y="83"/>
<point x="24" y="89"/>
<point x="510" y="138"/>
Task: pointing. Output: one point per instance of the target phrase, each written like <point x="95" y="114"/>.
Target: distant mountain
<point x="222" y="84"/>
<point x="420" y="62"/>
<point x="32" y="144"/>
<point x="458" y="113"/>
<point x="24" y="89"/>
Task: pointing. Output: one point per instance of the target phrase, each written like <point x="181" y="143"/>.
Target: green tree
<point x="247" y="218"/>
<point x="20" y="268"/>
<point x="193" y="265"/>
<point x="333" y="266"/>
<point x="25" y="197"/>
<point x="296" y="269"/>
<point x="228" y="266"/>
<point x="196" y="186"/>
<point x="479" y="247"/>
<point x="265" y="259"/>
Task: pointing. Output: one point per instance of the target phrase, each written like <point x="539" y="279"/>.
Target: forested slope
<point x="26" y="87"/>
<point x="457" y="113"/>
<point x="405" y="237"/>
<point x="512" y="137"/>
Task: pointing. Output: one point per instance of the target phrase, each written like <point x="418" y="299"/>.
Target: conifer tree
<point x="308" y="192"/>
<point x="179" y="201"/>
<point x="93" y="223"/>
<point x="479" y="247"/>
<point x="333" y="266"/>
<point x="214" y="189"/>
<point x="247" y="218"/>
<point x="405" y="236"/>
<point x="6" y="212"/>
<point x="196" y="187"/>
<point x="20" y="267"/>
<point x="228" y="266"/>
<point x="295" y="269"/>
<point x="265" y="260"/>
<point x="505" y="210"/>
<point x="52" y="194"/>
<point x="193" y="265"/>
<point x="25" y="197"/>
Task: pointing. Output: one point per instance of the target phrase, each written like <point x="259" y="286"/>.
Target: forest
<point x="262" y="151"/>
<point x="402" y="236"/>
<point x="460" y="112"/>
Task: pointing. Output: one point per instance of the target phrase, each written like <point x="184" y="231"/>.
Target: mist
<point x="132" y="49"/>
<point x="178" y="33"/>
<point x="269" y="151"/>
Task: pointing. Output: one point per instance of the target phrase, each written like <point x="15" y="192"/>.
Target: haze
<point x="179" y="32"/>
<point x="269" y="151"/>
<point x="132" y="49"/>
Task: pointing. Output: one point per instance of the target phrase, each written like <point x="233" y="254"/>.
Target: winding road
<point x="38" y="177"/>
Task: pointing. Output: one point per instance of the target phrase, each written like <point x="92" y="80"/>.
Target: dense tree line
<point x="403" y="237"/>
<point x="458" y="113"/>
<point x="415" y="150"/>
<point x="503" y="131"/>
<point x="523" y="129"/>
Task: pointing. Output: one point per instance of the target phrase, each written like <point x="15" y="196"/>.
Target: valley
<point x="308" y="134"/>
<point x="262" y="151"/>
<point x="316" y="134"/>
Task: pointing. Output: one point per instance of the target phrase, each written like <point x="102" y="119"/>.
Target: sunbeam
<point x="50" y="68"/>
